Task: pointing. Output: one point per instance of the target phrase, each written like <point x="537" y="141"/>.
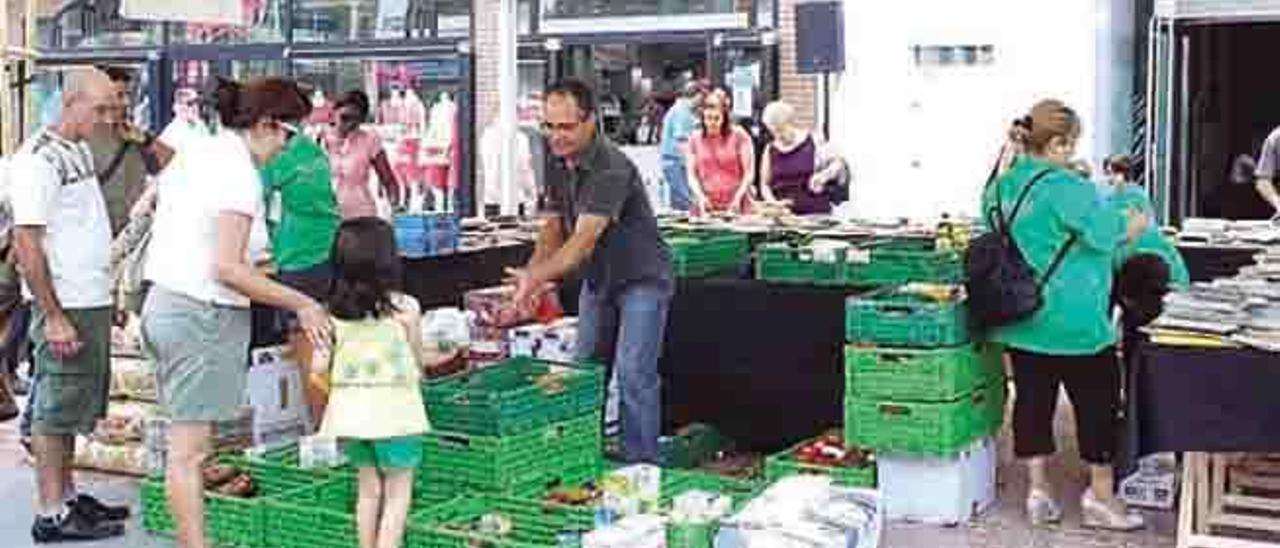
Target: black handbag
<point x="1002" y="286"/>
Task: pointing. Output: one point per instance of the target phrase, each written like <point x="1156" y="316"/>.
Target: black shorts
<point x="1092" y="383"/>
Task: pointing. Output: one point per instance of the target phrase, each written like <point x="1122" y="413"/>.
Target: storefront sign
<point x="229" y="12"/>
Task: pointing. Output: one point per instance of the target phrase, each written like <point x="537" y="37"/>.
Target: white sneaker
<point x="1112" y="517"/>
<point x="1042" y="509"/>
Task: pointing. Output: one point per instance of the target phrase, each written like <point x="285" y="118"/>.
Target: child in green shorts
<point x="375" y="408"/>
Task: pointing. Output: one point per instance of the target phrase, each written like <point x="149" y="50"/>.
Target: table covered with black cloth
<point x="1206" y="262"/>
<point x="761" y="362"/>
<point x="442" y="280"/>
<point x="1202" y="400"/>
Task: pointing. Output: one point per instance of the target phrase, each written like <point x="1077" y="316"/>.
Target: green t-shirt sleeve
<point x="1097" y="226"/>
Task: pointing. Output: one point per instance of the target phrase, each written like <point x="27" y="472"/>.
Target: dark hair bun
<point x="239" y="106"/>
<point x="356" y="99"/>
<point x="226" y="98"/>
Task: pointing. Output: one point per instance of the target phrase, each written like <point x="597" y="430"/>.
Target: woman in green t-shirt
<point x="302" y="219"/>
<point x="1070" y="341"/>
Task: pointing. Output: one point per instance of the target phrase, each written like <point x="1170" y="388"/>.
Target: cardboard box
<point x="275" y="392"/>
<point x="1154" y="485"/>
<point x="938" y="490"/>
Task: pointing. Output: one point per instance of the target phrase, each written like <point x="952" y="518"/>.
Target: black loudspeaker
<point x="819" y="37"/>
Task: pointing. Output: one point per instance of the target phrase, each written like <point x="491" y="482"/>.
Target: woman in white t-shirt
<point x="209" y="235"/>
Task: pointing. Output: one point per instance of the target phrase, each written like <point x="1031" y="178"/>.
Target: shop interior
<point x="1232" y="108"/>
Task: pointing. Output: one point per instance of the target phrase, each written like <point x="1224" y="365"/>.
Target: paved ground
<point x="1002" y="527"/>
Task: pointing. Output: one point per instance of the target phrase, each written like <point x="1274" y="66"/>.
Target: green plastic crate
<point x="910" y="374"/>
<point x="286" y="457"/>
<point x="506" y="398"/>
<point x="692" y="535"/>
<point x="534" y="524"/>
<point x="696" y="254"/>
<point x="902" y="261"/>
<point x="229" y="521"/>
<point x="919" y="428"/>
<point x="785" y="464"/>
<point x="895" y="319"/>
<point x="786" y="263"/>
<point x="693" y="446"/>
<point x="566" y="452"/>
<point x="323" y="516"/>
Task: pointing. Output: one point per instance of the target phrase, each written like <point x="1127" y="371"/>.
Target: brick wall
<point x="801" y="90"/>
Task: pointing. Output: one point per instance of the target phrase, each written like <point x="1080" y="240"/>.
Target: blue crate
<point x="426" y="235"/>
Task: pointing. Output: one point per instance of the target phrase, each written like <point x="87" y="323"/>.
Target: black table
<point x="761" y="362"/>
<point x="1205" y="400"/>
<point x="1209" y="404"/>
<point x="1206" y="262"/>
<point x="442" y="280"/>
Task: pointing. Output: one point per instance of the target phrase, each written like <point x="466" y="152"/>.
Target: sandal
<point x="1042" y="509"/>
<point x="1112" y="516"/>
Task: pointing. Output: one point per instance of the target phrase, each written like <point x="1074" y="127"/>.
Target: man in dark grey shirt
<point x="598" y="219"/>
<point x="1268" y="164"/>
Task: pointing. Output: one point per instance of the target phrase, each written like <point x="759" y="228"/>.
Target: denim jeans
<point x="673" y="171"/>
<point x="624" y="328"/>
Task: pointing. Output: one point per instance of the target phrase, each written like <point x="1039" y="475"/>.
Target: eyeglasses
<point x="566" y="127"/>
<point x="289" y="129"/>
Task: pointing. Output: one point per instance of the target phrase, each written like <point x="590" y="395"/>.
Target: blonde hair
<point x="778" y="114"/>
<point x="1049" y="119"/>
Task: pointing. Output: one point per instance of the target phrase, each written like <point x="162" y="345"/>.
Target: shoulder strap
<point x="1007" y="222"/>
<point x="1057" y="258"/>
<point x="1022" y="197"/>
<point x="114" y="166"/>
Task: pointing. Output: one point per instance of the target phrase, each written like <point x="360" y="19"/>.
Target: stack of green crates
<point x="513" y="428"/>
<point x="915" y="383"/>
<point x="323" y="515"/>
<point x="702" y="253"/>
<point x="922" y="401"/>
<point x="234" y="521"/>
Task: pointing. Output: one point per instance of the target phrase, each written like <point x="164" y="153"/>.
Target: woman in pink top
<point x="353" y="152"/>
<point x="721" y="159"/>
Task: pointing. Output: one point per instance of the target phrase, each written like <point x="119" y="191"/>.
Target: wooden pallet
<point x="1221" y="493"/>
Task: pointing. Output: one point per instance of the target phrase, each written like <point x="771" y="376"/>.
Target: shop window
<point x="46" y="88"/>
<point x="953" y="55"/>
<point x="631" y="8"/>
<point x="455" y="18"/>
<point x="358" y="20"/>
<point x="94" y="24"/>
<point x="263" y="22"/>
<point x="415" y="113"/>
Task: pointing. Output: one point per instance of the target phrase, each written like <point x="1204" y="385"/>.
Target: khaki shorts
<point x="71" y="395"/>
<point x="201" y="352"/>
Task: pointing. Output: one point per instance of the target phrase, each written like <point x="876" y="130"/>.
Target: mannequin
<point x="438" y="146"/>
